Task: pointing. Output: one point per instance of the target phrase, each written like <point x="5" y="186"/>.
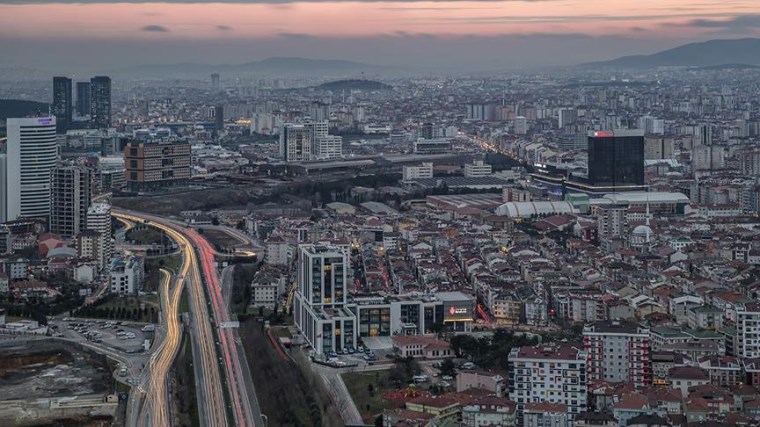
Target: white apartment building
<point x="548" y="374"/>
<point x="424" y="170"/>
<point x="611" y="222"/>
<point x="477" y="169"/>
<point x="328" y="147"/>
<point x="99" y="220"/>
<point x="127" y="275"/>
<point x="25" y="167"/>
<point x="618" y="351"/>
<point x="521" y="125"/>
<point x="748" y="330"/>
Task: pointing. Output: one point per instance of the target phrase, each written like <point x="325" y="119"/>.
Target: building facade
<point x="616" y="159"/>
<point x="154" y="165"/>
<point x="126" y="275"/>
<point x="100" y="102"/>
<point x="31" y="155"/>
<point x="63" y="107"/>
<point x="618" y="351"/>
<point x="71" y="195"/>
<point x="83" y="98"/>
<point x="548" y="374"/>
<point x="295" y="142"/>
<point x="425" y="170"/>
<point x="99" y="221"/>
<point x="477" y="169"/>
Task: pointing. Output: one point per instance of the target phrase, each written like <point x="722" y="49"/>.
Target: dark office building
<point x="616" y="159"/>
<point x="83" y="98"/>
<point x="219" y="118"/>
<point x="100" y="102"/>
<point x="62" y="103"/>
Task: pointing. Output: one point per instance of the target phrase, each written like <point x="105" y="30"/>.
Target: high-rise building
<point x="566" y="116"/>
<point x="548" y="374"/>
<point x="100" y="102"/>
<point x="319" y="305"/>
<point x="63" y="105"/>
<point x="658" y="148"/>
<point x="618" y="351"/>
<point x="219" y="118"/>
<point x="83" y="98"/>
<point x="71" y="195"/>
<point x="521" y="125"/>
<point x="704" y="135"/>
<point x="708" y="157"/>
<point x="652" y="125"/>
<point x="616" y="159"/>
<point x="747" y="332"/>
<point x="31" y="154"/>
<point x="151" y="165"/>
<point x="215" y="82"/>
<point x="295" y="142"/>
<point x="99" y="221"/>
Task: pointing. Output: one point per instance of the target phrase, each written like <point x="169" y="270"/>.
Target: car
<point x="360" y="349"/>
<point x="445" y="384"/>
<point x="447" y="378"/>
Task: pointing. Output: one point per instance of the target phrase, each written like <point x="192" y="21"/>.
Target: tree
<point x="371" y="389"/>
<point x="448" y="368"/>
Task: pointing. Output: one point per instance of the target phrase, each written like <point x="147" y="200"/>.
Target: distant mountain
<point x="705" y="54"/>
<point x="354" y="84"/>
<point x="20" y="108"/>
<point x="278" y="65"/>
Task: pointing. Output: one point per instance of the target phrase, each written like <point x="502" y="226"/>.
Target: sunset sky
<point x="524" y="33"/>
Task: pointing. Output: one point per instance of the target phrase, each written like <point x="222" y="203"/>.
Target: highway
<point x="211" y="405"/>
<point x="243" y="409"/>
<point x="158" y="400"/>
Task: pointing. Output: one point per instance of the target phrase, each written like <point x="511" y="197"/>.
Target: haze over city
<point x="451" y="35"/>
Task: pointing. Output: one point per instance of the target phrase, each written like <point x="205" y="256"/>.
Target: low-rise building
<point x="421" y="346"/>
<point x="482" y="380"/>
<point x="127" y="275"/>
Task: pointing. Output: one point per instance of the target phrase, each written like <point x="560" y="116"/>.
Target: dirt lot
<point x="220" y="238"/>
<point x="173" y="204"/>
<point x="51" y="368"/>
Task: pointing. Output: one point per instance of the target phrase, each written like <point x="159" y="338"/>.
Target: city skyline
<point x="495" y="33"/>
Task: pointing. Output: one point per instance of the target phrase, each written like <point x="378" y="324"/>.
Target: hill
<point x="287" y="66"/>
<point x="705" y="54"/>
<point x="20" y="108"/>
<point x="354" y="84"/>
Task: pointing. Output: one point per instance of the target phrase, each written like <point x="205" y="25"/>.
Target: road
<point x="210" y="394"/>
<point x="242" y="404"/>
<point x="157" y="411"/>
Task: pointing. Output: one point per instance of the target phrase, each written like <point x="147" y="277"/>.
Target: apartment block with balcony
<point x="618" y="351"/>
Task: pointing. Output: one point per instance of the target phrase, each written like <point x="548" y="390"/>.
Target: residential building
<point x="477" y="169"/>
<point x="152" y="165"/>
<point x="521" y="125"/>
<point x="71" y="195"/>
<point x="566" y="116"/>
<point x="748" y="330"/>
<point x="611" y="222"/>
<point x="683" y="377"/>
<point x="490" y="381"/>
<point x="548" y="374"/>
<point x="658" y="148"/>
<point x="425" y="170"/>
<point x="705" y="317"/>
<point x="100" y="102"/>
<point x="25" y="168"/>
<point x="99" y="221"/>
<point x="618" y="351"/>
<point x="546" y="414"/>
<point x="489" y="411"/>
<point x="126" y="275"/>
<point x="63" y="106"/>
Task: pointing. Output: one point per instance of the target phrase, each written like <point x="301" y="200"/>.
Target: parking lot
<point x="123" y="336"/>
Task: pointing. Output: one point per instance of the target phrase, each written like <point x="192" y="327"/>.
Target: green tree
<point x="448" y="368"/>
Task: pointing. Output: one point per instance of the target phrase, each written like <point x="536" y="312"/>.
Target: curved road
<point x="212" y="408"/>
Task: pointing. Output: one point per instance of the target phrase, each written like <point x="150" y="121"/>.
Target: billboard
<point x="457" y="311"/>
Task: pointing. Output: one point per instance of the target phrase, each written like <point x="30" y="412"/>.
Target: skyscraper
<point x="215" y="82"/>
<point x="100" y="102"/>
<point x="71" y="195"/>
<point x="616" y="158"/>
<point x="83" y="98"/>
<point x="219" y="118"/>
<point x="31" y="155"/>
<point x="295" y="142"/>
<point x="62" y="103"/>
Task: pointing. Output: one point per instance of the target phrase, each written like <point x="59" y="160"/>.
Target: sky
<point x="103" y="35"/>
